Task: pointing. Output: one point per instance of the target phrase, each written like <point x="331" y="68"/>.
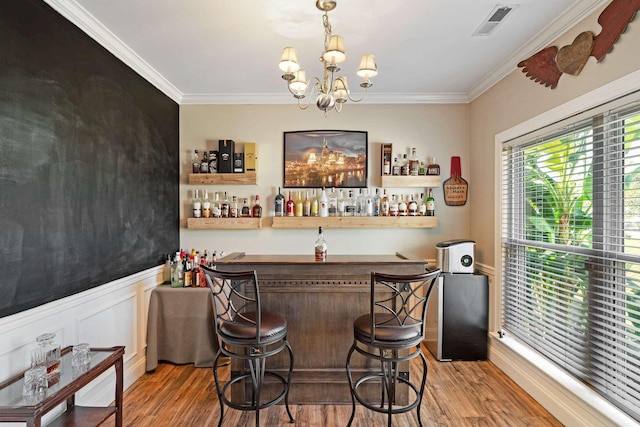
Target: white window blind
<point x="571" y="248"/>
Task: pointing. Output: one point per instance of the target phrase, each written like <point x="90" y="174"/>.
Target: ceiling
<point x="227" y="51"/>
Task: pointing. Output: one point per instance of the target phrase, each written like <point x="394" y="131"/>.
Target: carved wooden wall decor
<point x="547" y="66"/>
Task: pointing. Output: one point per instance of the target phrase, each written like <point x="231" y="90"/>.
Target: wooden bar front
<point x="320" y="301"/>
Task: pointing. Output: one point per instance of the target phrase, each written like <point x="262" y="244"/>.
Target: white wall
<point x="109" y="315"/>
<point x="441" y="131"/>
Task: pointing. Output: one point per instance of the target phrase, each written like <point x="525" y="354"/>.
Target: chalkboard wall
<point x="88" y="162"/>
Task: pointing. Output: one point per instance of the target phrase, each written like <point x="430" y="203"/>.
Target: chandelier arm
<point x="357" y="100"/>
<point x="314" y="88"/>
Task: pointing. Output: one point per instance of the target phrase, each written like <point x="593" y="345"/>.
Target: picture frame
<point x="325" y="158"/>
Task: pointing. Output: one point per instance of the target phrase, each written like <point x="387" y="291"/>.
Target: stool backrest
<point x="399" y="302"/>
<point x="236" y="300"/>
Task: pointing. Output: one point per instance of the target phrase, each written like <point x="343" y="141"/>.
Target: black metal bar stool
<point x="246" y="332"/>
<point x="391" y="333"/>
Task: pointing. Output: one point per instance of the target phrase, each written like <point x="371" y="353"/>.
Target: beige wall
<point x="516" y="99"/>
<point x="435" y="130"/>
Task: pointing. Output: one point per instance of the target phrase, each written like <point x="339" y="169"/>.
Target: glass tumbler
<point x="81" y="355"/>
<point x="34" y="387"/>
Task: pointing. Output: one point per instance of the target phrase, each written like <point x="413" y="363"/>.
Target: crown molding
<point x="562" y="24"/>
<point x="82" y="19"/>
<point x="286" y="98"/>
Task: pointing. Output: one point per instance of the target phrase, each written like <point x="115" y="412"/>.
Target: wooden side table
<point x="13" y="406"/>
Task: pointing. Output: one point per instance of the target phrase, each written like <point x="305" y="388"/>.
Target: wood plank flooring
<point x="458" y="394"/>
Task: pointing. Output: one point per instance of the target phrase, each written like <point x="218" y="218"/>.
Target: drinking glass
<point x="35" y="385"/>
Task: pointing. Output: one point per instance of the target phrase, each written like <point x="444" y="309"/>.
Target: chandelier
<point x="332" y="90"/>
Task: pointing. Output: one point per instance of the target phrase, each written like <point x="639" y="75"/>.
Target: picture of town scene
<point x="325" y="159"/>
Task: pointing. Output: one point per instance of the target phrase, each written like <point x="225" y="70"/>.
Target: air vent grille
<point x="496" y="17"/>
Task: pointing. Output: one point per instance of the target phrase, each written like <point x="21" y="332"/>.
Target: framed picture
<point x="325" y="158"/>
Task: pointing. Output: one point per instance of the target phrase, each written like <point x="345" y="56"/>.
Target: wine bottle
<point x="431" y="204"/>
<point x="290" y="206"/>
<point x="279" y="204"/>
<point x="455" y="188"/>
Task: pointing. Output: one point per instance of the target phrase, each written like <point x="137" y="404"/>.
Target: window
<point x="571" y="247"/>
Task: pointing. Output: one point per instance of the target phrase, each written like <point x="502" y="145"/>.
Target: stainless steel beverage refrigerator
<point x="457" y="318"/>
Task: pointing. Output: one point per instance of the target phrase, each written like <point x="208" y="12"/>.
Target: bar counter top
<point x="242" y="258"/>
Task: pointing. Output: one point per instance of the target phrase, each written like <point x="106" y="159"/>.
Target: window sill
<point x="571" y="402"/>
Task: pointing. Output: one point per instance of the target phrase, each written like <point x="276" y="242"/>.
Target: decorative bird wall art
<point x="547" y="66"/>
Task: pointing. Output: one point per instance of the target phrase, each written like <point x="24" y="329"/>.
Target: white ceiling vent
<point x="496" y="17"/>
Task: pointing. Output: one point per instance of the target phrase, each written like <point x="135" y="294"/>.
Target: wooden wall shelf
<point x="356" y="222"/>
<point x="248" y="178"/>
<point x="395" y="181"/>
<point x="224" y="223"/>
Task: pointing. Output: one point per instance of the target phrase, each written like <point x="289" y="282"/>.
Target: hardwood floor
<point x="458" y="394"/>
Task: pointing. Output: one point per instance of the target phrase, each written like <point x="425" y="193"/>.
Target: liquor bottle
<point x="204" y="164"/>
<point x="402" y="206"/>
<point x="341" y="203"/>
<point x="412" y="206"/>
<point x="216" y="210"/>
<point x="386" y="169"/>
<point x="206" y="205"/>
<point x="384" y="204"/>
<point x="323" y="205"/>
<point x="188" y="279"/>
<point x="167" y="270"/>
<point x="455" y="188"/>
<point x="224" y="207"/>
<point x="377" y="203"/>
<point x="414" y="163"/>
<point x="320" y="247"/>
<point x="279" y="204"/>
<point x="299" y="204"/>
<point x="290" y="206"/>
<point x="368" y="203"/>
<point x="197" y="205"/>
<point x="433" y="168"/>
<point x="233" y="207"/>
<point x="422" y="205"/>
<point x="256" y="210"/>
<point x="315" y="204"/>
<point x="360" y="201"/>
<point x="393" y="206"/>
<point x="404" y="167"/>
<point x="245" y="211"/>
<point x="306" y="209"/>
<point x="350" y="205"/>
<point x="333" y="202"/>
<point x="395" y="169"/>
<point x="422" y="170"/>
<point x="195" y="162"/>
<point x="175" y="273"/>
<point x="431" y="205"/>
<point x="196" y="274"/>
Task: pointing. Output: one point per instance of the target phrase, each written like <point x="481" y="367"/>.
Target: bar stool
<point x="247" y="333"/>
<point x="391" y="333"/>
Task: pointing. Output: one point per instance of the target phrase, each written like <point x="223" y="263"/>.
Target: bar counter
<point x="320" y="301"/>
